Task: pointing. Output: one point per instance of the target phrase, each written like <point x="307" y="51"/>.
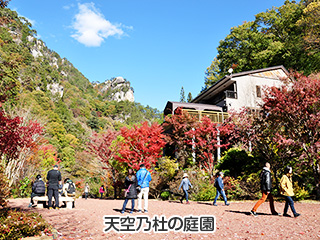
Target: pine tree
<point x="182" y="95"/>
<point x="189" y="99"/>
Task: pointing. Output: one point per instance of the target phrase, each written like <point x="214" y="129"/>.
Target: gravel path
<point x="232" y="222"/>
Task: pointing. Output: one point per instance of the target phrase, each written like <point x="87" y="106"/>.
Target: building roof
<point x="276" y="72"/>
<point x="172" y="106"/>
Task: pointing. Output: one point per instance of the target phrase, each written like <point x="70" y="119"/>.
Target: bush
<point x="164" y="172"/>
<point x="300" y="193"/>
<point x="15" y="225"/>
<point x="165" y="195"/>
<point x="207" y="192"/>
<point x="233" y="188"/>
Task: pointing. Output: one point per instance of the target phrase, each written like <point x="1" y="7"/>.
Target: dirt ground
<point x="232" y="222"/>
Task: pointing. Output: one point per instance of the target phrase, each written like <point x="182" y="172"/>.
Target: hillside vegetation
<point x="36" y="83"/>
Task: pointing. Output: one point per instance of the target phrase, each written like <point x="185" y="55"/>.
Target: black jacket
<point x="132" y="193"/>
<point x="39" y="187"/>
<point x="53" y="177"/>
<point x="266" y="180"/>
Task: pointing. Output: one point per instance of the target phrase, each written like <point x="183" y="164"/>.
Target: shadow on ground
<point x="248" y="213"/>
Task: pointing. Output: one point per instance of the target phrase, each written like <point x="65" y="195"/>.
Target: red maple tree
<point x="296" y="109"/>
<point x="175" y="127"/>
<point x="102" y="146"/>
<point x="204" y="139"/>
<point x="17" y="142"/>
<point x="142" y="144"/>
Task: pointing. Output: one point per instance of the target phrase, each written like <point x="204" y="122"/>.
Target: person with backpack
<point x="54" y="179"/>
<point x="38" y="189"/>
<point x="130" y="191"/>
<point x="218" y="184"/>
<point x="185" y="183"/>
<point x="69" y="189"/>
<point x="143" y="178"/>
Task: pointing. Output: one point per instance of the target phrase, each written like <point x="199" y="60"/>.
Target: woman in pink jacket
<point x="101" y="191"/>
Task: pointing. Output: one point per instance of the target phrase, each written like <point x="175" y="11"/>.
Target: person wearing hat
<point x="38" y="189"/>
<point x="185" y="183"/>
<point x="54" y="179"/>
<point x="218" y="184"/>
<point x="286" y="190"/>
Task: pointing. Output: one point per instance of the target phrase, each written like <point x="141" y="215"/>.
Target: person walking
<point x="131" y="190"/>
<point x="218" y="184"/>
<point x="185" y="183"/>
<point x="54" y="179"/>
<point x="287" y="191"/>
<point x="101" y="191"/>
<point x="86" y="190"/>
<point x="143" y="179"/>
<point x="266" y="187"/>
<point x="38" y="189"/>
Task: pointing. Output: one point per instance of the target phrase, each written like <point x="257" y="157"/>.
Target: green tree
<point x="212" y="73"/>
<point x="182" y="95"/>
<point x="310" y="22"/>
<point x="189" y="97"/>
<point x="10" y="62"/>
<point x="276" y="37"/>
<point x="4" y="3"/>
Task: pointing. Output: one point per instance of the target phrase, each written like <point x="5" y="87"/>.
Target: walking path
<point x="232" y="222"/>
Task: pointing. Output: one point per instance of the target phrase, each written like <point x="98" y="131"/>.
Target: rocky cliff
<point x="118" y="89"/>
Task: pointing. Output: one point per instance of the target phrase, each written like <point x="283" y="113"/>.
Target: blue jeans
<point x="185" y="195"/>
<point x="220" y="191"/>
<point x="289" y="202"/>
<point x="125" y="204"/>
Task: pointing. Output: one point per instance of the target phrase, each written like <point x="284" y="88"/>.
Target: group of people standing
<point x="137" y="186"/>
<point x="54" y="184"/>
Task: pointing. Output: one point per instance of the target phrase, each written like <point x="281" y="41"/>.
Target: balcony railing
<point x="218" y="117"/>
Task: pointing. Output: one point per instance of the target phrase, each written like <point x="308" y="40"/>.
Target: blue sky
<point x="157" y="45"/>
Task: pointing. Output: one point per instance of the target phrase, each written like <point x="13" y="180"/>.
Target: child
<point x="185" y="183"/>
<point x="131" y="190"/>
<point x="218" y="184"/>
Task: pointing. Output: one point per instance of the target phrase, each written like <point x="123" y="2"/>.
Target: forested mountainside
<point x="36" y="83"/>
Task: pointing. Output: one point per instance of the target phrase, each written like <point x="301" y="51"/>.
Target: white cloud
<point x="91" y="26"/>
<point x="67" y="7"/>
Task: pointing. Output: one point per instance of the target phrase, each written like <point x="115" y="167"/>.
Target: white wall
<point x="246" y="91"/>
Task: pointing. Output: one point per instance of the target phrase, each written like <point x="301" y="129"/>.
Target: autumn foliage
<point x="17" y="141"/>
<point x="206" y="137"/>
<point x="101" y="146"/>
<point x="141" y="144"/>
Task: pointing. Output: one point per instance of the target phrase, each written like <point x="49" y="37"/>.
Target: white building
<point x="244" y="89"/>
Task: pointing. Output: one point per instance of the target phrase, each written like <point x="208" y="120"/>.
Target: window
<point x="258" y="91"/>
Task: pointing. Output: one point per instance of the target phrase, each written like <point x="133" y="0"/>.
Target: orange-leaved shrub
<point x="17" y="224"/>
